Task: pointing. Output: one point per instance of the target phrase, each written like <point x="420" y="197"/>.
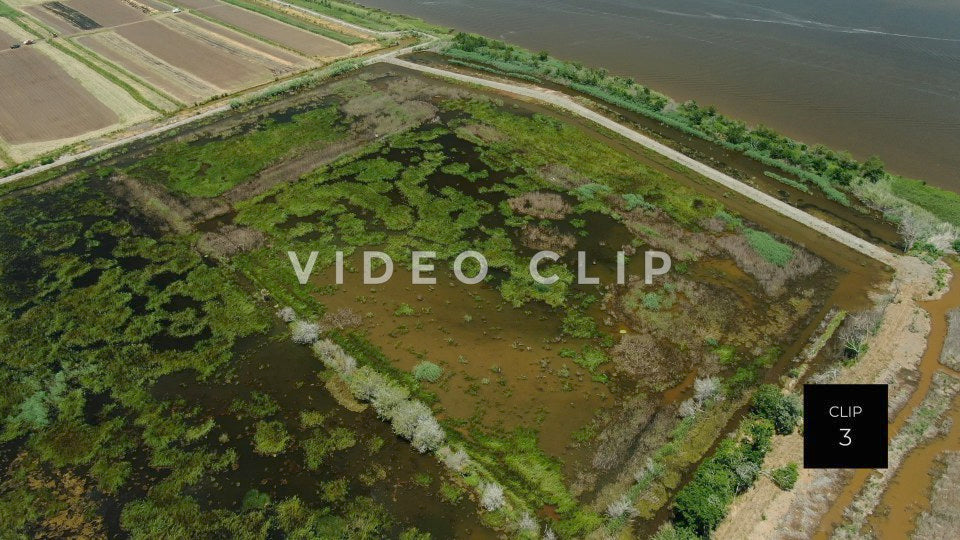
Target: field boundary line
<point x="563" y="101"/>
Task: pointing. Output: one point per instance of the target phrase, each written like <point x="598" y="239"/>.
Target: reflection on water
<point x="871" y="76"/>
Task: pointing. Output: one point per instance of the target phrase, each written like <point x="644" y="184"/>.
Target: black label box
<point x="845" y="426"/>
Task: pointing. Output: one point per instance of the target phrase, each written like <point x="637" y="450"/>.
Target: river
<point x="869" y="76"/>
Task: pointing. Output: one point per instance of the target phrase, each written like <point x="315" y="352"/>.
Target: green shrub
<point x="404" y="310"/>
<point x="255" y="500"/>
<point x="271" y="438"/>
<point x="427" y="371"/>
<point x="784" y="410"/>
<point x="785" y="477"/>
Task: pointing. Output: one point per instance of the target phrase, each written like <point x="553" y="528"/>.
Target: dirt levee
<point x="39" y="101"/>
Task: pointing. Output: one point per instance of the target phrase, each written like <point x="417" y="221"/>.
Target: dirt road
<point x="564" y="102"/>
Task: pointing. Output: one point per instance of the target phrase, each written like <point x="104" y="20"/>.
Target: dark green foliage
<point x="783" y="410"/>
<point x="702" y="504"/>
<point x="270" y="438"/>
<point x="785" y="477"/>
<point x="255" y="500"/>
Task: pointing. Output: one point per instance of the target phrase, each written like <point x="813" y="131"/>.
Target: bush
<point x="406" y="416"/>
<point x="255" y="500"/>
<point x="271" y="438"/>
<point x="427" y="435"/>
<point x="304" y="333"/>
<point x="702" y="504"/>
<point x="785" y="477"/>
<point x="427" y="371"/>
<point x="784" y="410"/>
<point x="491" y="498"/>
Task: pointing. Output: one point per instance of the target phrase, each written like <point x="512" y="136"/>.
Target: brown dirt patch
<point x="107" y="12"/>
<point x="277" y="32"/>
<point x="48" y="18"/>
<point x="214" y="61"/>
<point x="181" y="85"/>
<point x="275" y="52"/>
<point x="39" y="101"/>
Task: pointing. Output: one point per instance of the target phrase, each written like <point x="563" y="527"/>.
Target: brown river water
<point x="908" y="494"/>
<point x="869" y="76"/>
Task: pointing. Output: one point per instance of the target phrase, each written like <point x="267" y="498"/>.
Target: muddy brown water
<point x="871" y="76"/>
<point x="289" y="373"/>
<point x="908" y="492"/>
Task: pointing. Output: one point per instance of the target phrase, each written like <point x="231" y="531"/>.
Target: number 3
<point x="846" y="436"/>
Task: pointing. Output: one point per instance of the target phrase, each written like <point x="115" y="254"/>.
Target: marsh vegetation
<point x="154" y="322"/>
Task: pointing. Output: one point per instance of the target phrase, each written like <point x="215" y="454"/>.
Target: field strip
<point x="564" y="102"/>
<point x="128" y="109"/>
<point x="182" y="85"/>
<point x="335" y="20"/>
<point x="244" y="51"/>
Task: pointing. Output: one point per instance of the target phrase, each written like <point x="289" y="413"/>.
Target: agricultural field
<point x="302" y="41"/>
<point x="119" y="63"/>
<point x="503" y="407"/>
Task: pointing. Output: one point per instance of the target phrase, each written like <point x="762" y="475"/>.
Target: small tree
<point x="428" y="435"/>
<point x="783" y="410"/>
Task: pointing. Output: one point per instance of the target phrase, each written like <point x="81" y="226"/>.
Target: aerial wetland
<point x="167" y="373"/>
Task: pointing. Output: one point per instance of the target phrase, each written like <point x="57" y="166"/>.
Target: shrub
<point x="365" y="382"/>
<point x="334" y="357"/>
<point x="287" y="314"/>
<point x="785" y="477"/>
<point x="406" y="417"/>
<point x="621" y="508"/>
<point x="454" y="460"/>
<point x="527" y="524"/>
<point x="404" y="310"/>
<point x="255" y="500"/>
<point x="427" y="371"/>
<point x="579" y="325"/>
<point x="784" y="410"/>
<point x="304" y="333"/>
<point x="427" y="435"/>
<point x="492" y="498"/>
<point x="270" y="438"/>
<point x="386" y="398"/>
